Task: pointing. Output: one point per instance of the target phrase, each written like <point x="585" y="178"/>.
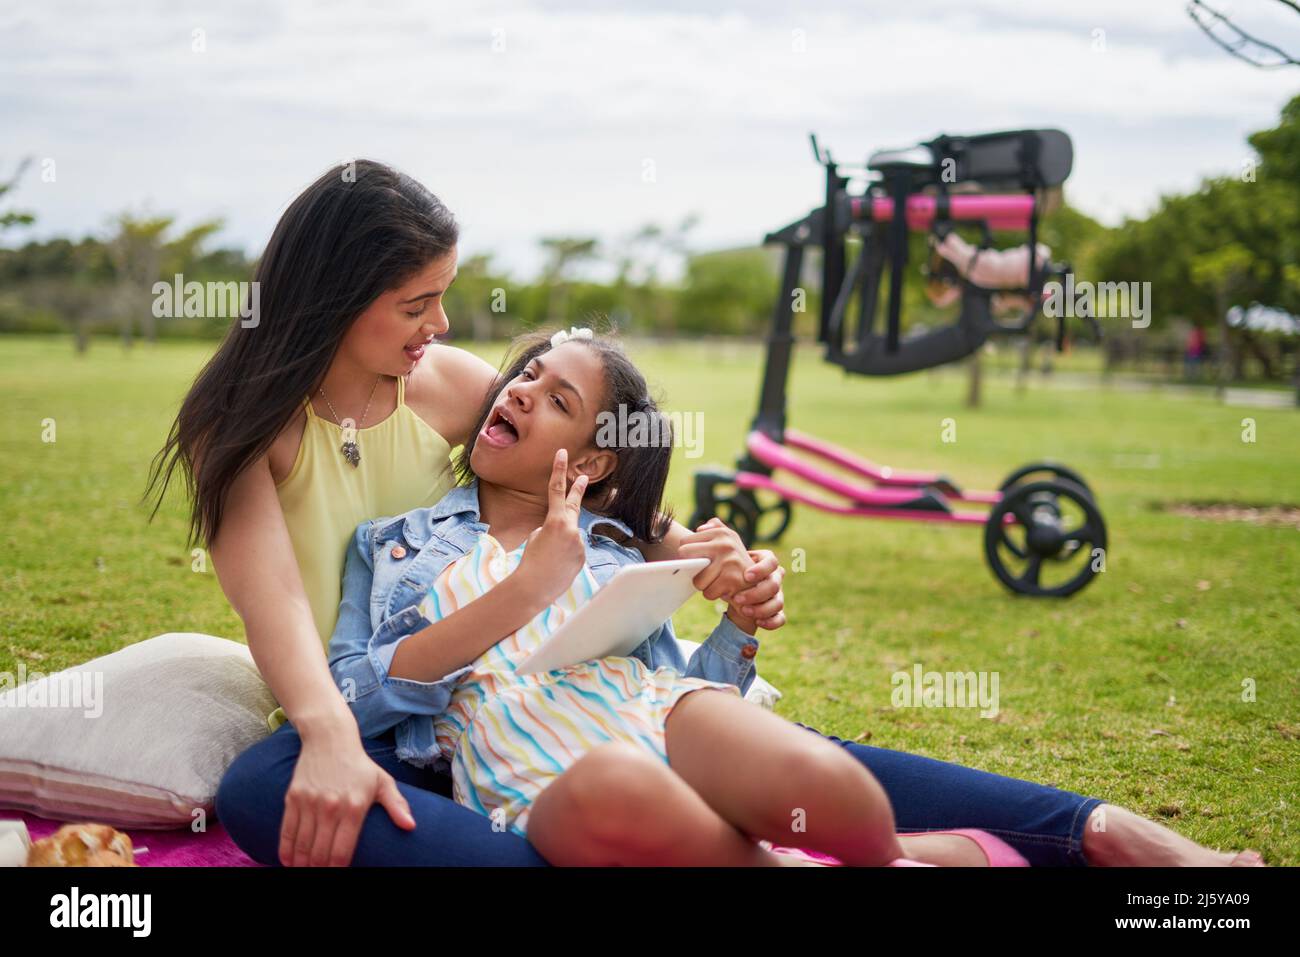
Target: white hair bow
<point x="573" y="333"/>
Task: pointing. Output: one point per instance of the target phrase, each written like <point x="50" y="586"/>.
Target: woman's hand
<point x="334" y="784"/>
<point x="763" y="601"/>
<point x="750" y="581"/>
<point x="555" y="553"/>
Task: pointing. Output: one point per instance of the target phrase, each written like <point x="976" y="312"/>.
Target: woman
<point x="331" y="409"/>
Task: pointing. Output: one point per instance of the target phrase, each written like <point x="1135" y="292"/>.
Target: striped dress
<point x="506" y="735"/>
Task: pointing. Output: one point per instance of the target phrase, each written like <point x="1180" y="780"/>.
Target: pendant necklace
<point x="349" y="447"/>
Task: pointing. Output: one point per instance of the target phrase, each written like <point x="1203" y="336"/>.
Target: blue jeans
<point x="1042" y="823"/>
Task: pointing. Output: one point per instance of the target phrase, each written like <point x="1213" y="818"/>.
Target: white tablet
<point x="627" y="610"/>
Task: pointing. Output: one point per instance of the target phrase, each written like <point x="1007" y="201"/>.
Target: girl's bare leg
<point x="620" y="806"/>
<point x="775" y="780"/>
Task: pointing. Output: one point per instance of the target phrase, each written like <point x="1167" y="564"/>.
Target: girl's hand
<point x="740" y="619"/>
<point x="334" y="784"/>
<point x="555" y="553"/>
<point x="749" y="581"/>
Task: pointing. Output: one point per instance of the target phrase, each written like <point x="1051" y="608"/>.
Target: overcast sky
<point x="575" y="118"/>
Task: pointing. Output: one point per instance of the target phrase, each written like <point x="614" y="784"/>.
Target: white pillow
<point x="140" y="737"/>
<point x="760" y="692"/>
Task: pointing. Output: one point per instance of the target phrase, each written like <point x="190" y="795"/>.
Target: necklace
<point x="349" y="447"/>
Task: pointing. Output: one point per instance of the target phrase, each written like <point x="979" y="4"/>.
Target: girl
<point x="614" y="761"/>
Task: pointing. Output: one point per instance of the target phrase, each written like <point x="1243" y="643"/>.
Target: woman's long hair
<point x="358" y="231"/>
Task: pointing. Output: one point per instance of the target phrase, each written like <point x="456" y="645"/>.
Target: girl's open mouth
<point x="499" y="431"/>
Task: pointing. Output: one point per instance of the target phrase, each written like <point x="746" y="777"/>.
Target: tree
<point x="639" y="257"/>
<point x="727" y="293"/>
<point x="137" y="253"/>
<point x="142" y="255"/>
<point x="639" y="296"/>
<point x="478" y="295"/>
<point x="562" y="253"/>
<point x="1237" y="41"/>
<point x="1223" y="273"/>
<point x="1258" y="210"/>
<point x="15" y="217"/>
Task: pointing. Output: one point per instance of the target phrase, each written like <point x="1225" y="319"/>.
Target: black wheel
<point x="739" y="511"/>
<point x="746" y="514"/>
<point x="1047" y="470"/>
<point x="773" y="520"/>
<point x="706" y="494"/>
<point x="1051" y="544"/>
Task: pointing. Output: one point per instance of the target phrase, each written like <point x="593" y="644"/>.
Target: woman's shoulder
<point x="447" y="388"/>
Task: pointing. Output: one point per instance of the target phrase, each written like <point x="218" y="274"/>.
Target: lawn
<point x="1131" y="690"/>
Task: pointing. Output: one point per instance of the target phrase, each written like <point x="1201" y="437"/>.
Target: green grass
<point x="1131" y="690"/>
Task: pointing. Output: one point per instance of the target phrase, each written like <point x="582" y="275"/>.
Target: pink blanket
<point x="180" y="847"/>
<point x="177" y="847"/>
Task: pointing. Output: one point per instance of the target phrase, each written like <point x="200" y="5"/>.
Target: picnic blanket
<point x="173" y="847"/>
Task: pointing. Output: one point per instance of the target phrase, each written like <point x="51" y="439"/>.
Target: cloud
<point x="546" y="118"/>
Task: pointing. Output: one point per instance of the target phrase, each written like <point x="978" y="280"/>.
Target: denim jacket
<point x="391" y="564"/>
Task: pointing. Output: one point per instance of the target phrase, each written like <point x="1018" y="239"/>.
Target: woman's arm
<point x="255" y="564"/>
<point x="334" y="781"/>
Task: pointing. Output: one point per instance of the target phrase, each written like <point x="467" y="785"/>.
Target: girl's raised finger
<point x="556" y="488"/>
<point x="578" y="489"/>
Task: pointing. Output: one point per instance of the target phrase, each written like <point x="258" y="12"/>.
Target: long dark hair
<point x="358" y="231"/>
<point x="633" y="493"/>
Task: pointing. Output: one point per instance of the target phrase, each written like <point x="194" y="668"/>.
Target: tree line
<point x="1233" y="241"/>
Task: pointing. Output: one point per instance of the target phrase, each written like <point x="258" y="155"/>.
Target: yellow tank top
<point x="405" y="464"/>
